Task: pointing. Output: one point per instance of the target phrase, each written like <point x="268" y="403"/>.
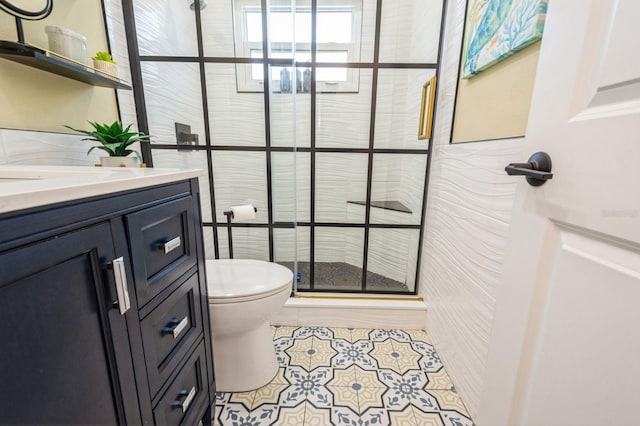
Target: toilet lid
<point x="227" y="278"/>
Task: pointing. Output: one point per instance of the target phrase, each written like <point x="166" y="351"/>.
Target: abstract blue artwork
<point x="497" y="29"/>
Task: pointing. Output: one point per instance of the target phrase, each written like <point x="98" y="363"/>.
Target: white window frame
<point x="245" y="82"/>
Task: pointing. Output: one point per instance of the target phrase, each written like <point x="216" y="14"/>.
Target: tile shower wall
<point x="468" y="213"/>
<point x="48" y="148"/>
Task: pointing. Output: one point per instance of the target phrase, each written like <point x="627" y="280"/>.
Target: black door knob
<point x="537" y="169"/>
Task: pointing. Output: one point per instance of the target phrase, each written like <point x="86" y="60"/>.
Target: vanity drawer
<point x="163" y="246"/>
<point x="188" y="391"/>
<point x="170" y="330"/>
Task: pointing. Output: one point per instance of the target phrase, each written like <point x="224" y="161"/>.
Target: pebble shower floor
<point x="349" y="376"/>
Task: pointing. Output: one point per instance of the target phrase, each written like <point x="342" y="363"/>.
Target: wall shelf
<point x="387" y="205"/>
<point x="37" y="58"/>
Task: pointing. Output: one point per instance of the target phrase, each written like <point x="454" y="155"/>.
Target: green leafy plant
<point x="103" y="56"/>
<point x="113" y="138"/>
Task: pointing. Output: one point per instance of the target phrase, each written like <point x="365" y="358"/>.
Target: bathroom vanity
<point x="103" y="298"/>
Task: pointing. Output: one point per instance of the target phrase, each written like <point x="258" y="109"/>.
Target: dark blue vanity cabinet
<point x="103" y="311"/>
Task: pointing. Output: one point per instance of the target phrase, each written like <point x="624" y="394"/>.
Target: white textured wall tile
<point x="248" y="243"/>
<point x="3" y="155"/>
<point x="389" y="254"/>
<point x="163" y="158"/>
<point x="410" y="31"/>
<point x="218" y="28"/>
<point x="286" y="240"/>
<point x="339" y="178"/>
<point x="173" y="94"/>
<point x="207" y="234"/>
<point x="466" y="225"/>
<point x="165" y="28"/>
<point x="25" y="147"/>
<point x="240" y="178"/>
<point x="235" y="118"/>
<point x="291" y="186"/>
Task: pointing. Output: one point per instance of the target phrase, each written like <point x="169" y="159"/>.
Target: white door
<point x="565" y="346"/>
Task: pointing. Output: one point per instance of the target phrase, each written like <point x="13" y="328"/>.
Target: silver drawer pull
<point x="120" y="276"/>
<point x="184" y="405"/>
<point x="175" y="327"/>
<point x="172" y="244"/>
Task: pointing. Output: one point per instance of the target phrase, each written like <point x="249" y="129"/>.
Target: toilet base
<point x="244" y="361"/>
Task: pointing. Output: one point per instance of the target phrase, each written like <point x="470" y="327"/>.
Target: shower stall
<point x="307" y="109"/>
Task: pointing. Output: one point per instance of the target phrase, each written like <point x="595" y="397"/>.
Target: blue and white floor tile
<point x="349" y="377"/>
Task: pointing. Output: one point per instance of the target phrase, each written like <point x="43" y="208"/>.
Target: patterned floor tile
<point x="268" y="395"/>
<point x="418" y="336"/>
<point x="349" y="377"/>
<point x="238" y="414"/>
<point x="282" y="331"/>
<point x="353" y="354"/>
<point x="439" y="380"/>
<point x="301" y="344"/>
<point x="309" y="386"/>
<point x="430" y="360"/>
<point x="379" y="335"/>
<point x="359" y="334"/>
<point x="404" y="417"/>
<point x="385" y="355"/>
<point x="342" y="333"/>
<point x="406" y="357"/>
<point x="449" y="401"/>
<point x="321" y="332"/>
<point x="406" y="389"/>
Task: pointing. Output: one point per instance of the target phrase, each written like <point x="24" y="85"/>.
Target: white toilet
<point x="242" y="295"/>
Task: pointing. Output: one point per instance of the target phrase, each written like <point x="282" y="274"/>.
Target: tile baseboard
<point x="356" y="313"/>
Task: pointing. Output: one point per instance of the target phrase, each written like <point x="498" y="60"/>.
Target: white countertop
<point x="23" y="187"/>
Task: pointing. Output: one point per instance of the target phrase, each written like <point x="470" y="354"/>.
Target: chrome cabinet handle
<point x="120" y="276"/>
<point x="175" y="327"/>
<point x="184" y="405"/>
<point x="172" y="244"/>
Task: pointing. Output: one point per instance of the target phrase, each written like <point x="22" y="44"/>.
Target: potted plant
<point x="104" y="63"/>
<point x="115" y="141"/>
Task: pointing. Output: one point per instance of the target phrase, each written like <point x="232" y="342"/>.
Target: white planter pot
<point x="119" y="161"/>
<point x="108" y="69"/>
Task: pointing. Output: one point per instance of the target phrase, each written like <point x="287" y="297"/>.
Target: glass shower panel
<point x="292" y="249"/>
<point x="158" y="38"/>
<point x="172" y="95"/>
<point x="338" y="258"/>
<point x="290" y="186"/>
<point x="392" y="259"/>
<point x="174" y="159"/>
<point x="410" y="31"/>
<point x="341" y="187"/>
<point x="248" y="242"/>
<point x="209" y="249"/>
<point x="397" y="188"/>
<point x="232" y="28"/>
<point x="235" y="118"/>
<point x="290" y="112"/>
<point x="240" y="178"/>
<point x="343" y="119"/>
<point x="398" y="108"/>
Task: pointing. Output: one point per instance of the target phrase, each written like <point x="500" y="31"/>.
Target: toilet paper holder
<point x="229" y="215"/>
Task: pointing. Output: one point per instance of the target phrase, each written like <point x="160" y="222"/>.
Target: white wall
<point x="468" y="211"/>
<point x="35" y="147"/>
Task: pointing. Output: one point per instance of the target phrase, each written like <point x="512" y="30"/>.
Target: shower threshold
<point x="338" y="276"/>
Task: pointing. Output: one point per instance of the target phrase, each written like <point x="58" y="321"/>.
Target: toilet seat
<point x="239" y="280"/>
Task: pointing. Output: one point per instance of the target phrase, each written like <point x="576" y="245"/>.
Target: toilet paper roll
<point x="240" y="213"/>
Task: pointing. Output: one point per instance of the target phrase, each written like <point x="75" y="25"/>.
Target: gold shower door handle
<point x="426" y="109"/>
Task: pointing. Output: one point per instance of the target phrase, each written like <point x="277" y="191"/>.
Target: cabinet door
<point x="65" y="356"/>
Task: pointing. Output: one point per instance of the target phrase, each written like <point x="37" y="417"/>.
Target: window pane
<point x="341" y="182"/>
<point x="253" y="26"/>
<point x="334" y="27"/>
<point x="338" y="258"/>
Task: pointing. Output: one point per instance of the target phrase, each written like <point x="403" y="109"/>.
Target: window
<point x="338" y="29"/>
